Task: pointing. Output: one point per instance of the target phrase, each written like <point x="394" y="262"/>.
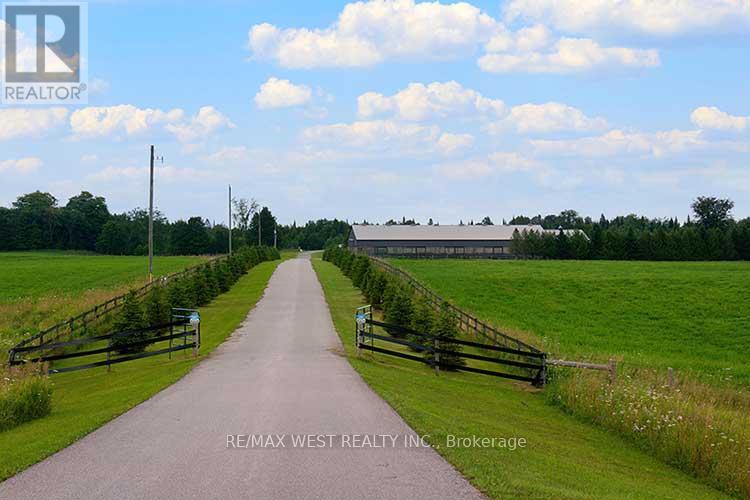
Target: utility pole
<point x="230" y="219"/>
<point x="274" y="235"/>
<point x="259" y="220"/>
<point x="151" y="218"/>
<point x="151" y="215"/>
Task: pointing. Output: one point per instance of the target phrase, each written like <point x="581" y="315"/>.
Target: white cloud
<point x="652" y="17"/>
<point x="367" y="33"/>
<point x="20" y="166"/>
<point x="276" y="93"/>
<point x="228" y="155"/>
<point x="494" y="164"/>
<point x="535" y="50"/>
<point x="98" y="86"/>
<point x="419" y="102"/>
<point x="130" y="120"/>
<point x="207" y="121"/>
<point x="25" y="122"/>
<point x="449" y="144"/>
<point x="713" y="118"/>
<point x="619" y="142"/>
<point x="548" y="117"/>
<point x="139" y="175"/>
<point x="125" y="118"/>
<point x="378" y="135"/>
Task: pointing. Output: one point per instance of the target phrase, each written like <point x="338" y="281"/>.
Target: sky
<point x="389" y="108"/>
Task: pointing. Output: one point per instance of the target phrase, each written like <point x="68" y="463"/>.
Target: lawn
<point x="85" y="400"/>
<point x="39" y="289"/>
<point x="692" y="316"/>
<point x="565" y="458"/>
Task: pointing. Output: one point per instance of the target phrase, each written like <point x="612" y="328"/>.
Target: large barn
<point x="436" y="241"/>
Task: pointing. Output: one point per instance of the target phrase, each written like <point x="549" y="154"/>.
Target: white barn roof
<point x="443" y="233"/>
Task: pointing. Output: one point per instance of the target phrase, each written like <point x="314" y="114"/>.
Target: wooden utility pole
<point x="230" y="219"/>
<point x="151" y="218"/>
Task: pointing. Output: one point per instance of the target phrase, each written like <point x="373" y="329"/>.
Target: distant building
<point x="436" y="241"/>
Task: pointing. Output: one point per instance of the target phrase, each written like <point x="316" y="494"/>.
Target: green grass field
<point x="565" y="458"/>
<point x="39" y="289"/>
<point x="692" y="316"/>
<point x="85" y="400"/>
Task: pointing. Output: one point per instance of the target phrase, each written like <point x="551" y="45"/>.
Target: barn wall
<point x="433" y="248"/>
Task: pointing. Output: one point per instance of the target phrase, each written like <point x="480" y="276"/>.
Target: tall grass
<point x="701" y="429"/>
<point x="25" y="395"/>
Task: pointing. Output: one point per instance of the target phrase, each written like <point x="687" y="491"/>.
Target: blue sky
<point x="385" y="109"/>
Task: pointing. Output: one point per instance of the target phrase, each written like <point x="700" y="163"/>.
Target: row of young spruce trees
<point x="190" y="291"/>
<point x="401" y="306"/>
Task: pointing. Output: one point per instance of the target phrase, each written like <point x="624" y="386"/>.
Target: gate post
<point x="195" y="323"/>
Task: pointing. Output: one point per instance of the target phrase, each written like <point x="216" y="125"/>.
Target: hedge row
<point x="400" y="304"/>
<point x="192" y="291"/>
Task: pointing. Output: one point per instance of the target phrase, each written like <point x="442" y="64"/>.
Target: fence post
<point x="670" y="377"/>
<point x="436" y="355"/>
<point x="612" y="370"/>
<point x="109" y="352"/>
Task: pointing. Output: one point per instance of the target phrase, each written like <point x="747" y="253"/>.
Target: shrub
<point x="376" y="284"/>
<point x="177" y="295"/>
<point x="223" y="276"/>
<point x="422" y="320"/>
<point x="360" y="266"/>
<point x="24" y="396"/>
<point x="446" y="329"/>
<point x="212" y="285"/>
<point x="156" y="307"/>
<point x="130" y="318"/>
<point x="399" y="311"/>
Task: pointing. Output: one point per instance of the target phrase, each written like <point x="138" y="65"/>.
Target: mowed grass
<point x="39" y="289"/>
<point x="692" y="316"/>
<point x="85" y="400"/>
<point x="565" y="458"/>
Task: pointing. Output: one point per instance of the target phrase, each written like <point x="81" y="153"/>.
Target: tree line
<point x="711" y="235"/>
<point x="36" y="221"/>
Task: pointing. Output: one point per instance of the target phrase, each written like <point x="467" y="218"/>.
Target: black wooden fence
<point x="180" y="334"/>
<point x="517" y="364"/>
<point x="466" y="321"/>
<point x="82" y="320"/>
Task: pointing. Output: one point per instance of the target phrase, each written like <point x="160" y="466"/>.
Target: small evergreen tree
<point x="130" y="318"/>
<point x="399" y="310"/>
<point x="212" y="284"/>
<point x="376" y="284"/>
<point x="156" y="307"/>
<point x="446" y="329"/>
<point x="422" y="320"/>
<point x="177" y="294"/>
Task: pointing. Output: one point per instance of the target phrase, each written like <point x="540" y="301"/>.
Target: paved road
<point x="278" y="374"/>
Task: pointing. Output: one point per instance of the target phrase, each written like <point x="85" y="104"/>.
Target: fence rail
<point x="467" y="322"/>
<point x="85" y="318"/>
<point x="56" y="351"/>
<point x="530" y="365"/>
